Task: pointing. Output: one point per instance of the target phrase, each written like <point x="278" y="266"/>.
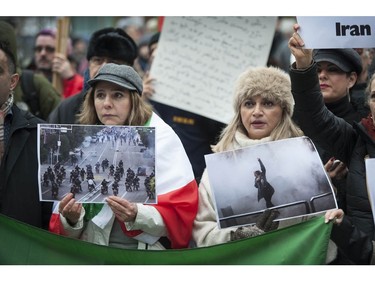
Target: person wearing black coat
<point x="352" y="144"/>
<point x="19" y="184"/>
<point x="66" y="112"/>
<point x="337" y="90"/>
<point x="106" y="45"/>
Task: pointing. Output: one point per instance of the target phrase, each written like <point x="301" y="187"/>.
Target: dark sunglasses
<point x="48" y="49"/>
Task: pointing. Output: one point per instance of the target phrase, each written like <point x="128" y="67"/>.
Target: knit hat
<point x="347" y="60"/>
<point x="268" y="82"/>
<point x="8" y="35"/>
<point x="122" y="75"/>
<point x="113" y="43"/>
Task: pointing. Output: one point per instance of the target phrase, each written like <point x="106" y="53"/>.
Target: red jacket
<point x="72" y="85"/>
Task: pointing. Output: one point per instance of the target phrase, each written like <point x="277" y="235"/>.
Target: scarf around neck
<point x="241" y="140"/>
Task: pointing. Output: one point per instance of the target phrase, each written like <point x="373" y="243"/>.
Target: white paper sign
<point x="337" y="32"/>
<point x="199" y="59"/>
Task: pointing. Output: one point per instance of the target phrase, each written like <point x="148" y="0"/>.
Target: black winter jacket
<point x="19" y="185"/>
<point x="349" y="143"/>
<point x="67" y="110"/>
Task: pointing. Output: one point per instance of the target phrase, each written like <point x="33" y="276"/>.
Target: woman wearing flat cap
<point x="338" y="71"/>
<point x="351" y="143"/>
<point x="115" y="99"/>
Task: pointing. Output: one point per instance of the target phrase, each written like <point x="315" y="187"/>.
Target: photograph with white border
<point x="95" y="161"/>
<point x="285" y="175"/>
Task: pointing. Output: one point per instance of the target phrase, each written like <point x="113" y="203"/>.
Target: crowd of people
<point x="327" y="95"/>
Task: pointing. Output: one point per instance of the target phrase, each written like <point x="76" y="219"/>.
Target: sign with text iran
<point x="337" y="32"/>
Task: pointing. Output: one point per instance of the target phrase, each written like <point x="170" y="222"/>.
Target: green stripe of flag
<point x="304" y="243"/>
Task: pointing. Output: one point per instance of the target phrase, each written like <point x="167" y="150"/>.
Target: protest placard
<point x="286" y="175"/>
<point x="337" y="32"/>
<point x="199" y="59"/>
<point x="95" y="161"/>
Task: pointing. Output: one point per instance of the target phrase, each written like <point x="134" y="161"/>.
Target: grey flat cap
<point x="122" y="75"/>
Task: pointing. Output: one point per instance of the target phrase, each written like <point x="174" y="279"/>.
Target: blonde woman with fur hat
<point x="263" y="106"/>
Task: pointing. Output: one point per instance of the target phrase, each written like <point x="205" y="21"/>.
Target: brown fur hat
<point x="269" y="82"/>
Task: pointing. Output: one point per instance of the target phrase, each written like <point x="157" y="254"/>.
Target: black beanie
<point x="113" y="43"/>
<point x="8" y="36"/>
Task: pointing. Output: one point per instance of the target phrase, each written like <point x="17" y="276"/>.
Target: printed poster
<point x="286" y="175"/>
<point x="95" y="161"/>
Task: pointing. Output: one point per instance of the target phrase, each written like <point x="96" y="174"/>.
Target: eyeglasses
<point x="48" y="49"/>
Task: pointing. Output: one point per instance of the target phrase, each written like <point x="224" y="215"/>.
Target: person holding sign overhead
<point x="351" y="143"/>
<point x="338" y="72"/>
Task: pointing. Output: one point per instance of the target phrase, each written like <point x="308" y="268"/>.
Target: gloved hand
<point x="245" y="232"/>
<point x="264" y="223"/>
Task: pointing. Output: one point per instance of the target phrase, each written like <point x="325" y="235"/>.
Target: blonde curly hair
<point x="268" y="82"/>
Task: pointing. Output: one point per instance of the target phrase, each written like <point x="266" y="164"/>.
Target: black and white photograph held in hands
<point x="95" y="161"/>
<point x="285" y="175"/>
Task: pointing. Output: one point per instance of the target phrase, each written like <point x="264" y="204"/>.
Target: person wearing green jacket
<point x="34" y="92"/>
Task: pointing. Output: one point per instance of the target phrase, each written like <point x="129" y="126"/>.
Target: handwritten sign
<point x="337" y="32"/>
<point x="199" y="59"/>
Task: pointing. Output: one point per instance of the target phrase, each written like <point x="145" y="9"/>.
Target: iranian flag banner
<point x="305" y="243"/>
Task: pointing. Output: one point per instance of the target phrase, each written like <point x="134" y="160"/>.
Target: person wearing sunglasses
<point x="47" y="61"/>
